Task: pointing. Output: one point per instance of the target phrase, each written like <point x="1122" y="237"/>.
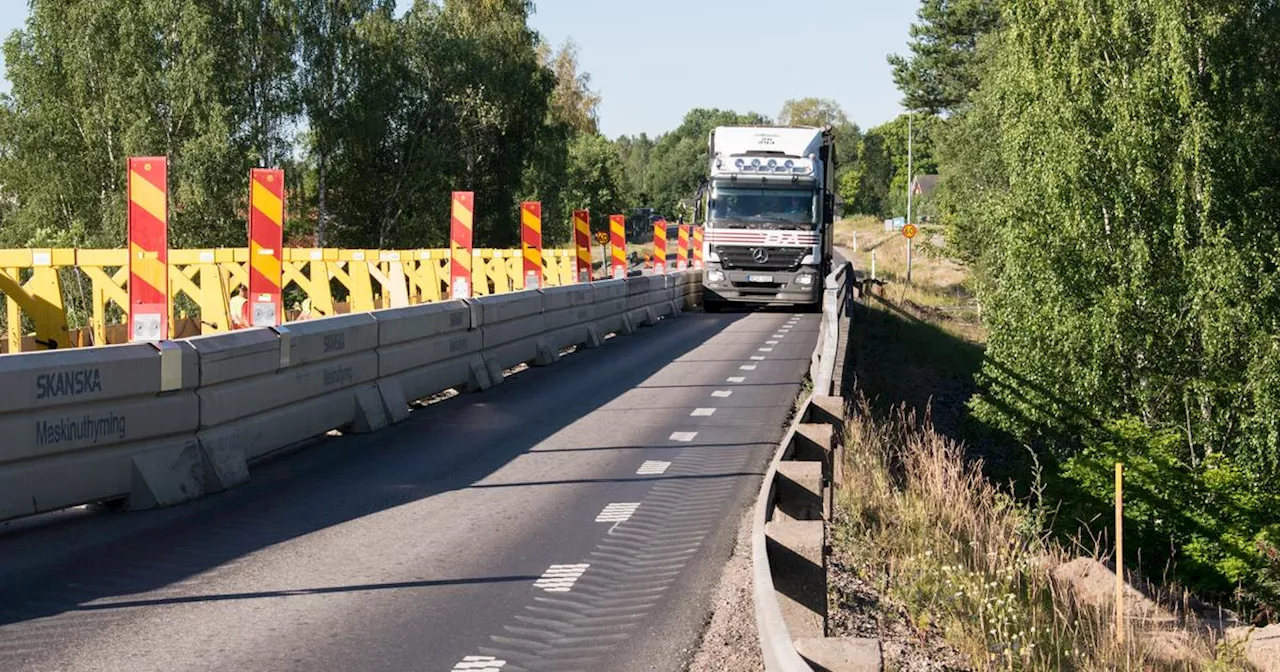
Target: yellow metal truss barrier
<point x="215" y="280"/>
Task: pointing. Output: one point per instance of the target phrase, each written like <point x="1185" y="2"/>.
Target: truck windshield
<point x="792" y="206"/>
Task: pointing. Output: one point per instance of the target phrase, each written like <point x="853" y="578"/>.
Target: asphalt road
<point x="574" y="518"/>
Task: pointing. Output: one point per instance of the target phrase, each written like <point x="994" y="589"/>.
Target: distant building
<point x="924" y="186"/>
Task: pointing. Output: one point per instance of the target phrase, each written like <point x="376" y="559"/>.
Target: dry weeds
<point x="971" y="565"/>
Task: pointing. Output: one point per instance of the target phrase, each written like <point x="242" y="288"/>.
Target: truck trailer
<point x="768" y="209"/>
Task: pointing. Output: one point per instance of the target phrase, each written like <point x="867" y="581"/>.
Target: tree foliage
<point x="677" y="162"/>
<point x="375" y="118"/>
<point x="943" y="68"/>
<point x="1118" y="198"/>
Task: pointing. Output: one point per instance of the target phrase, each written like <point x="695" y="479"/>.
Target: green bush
<point x="1208" y="521"/>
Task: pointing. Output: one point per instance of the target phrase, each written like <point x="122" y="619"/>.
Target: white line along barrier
<point x="159" y="424"/>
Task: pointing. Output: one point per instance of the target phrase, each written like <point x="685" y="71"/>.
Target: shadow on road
<point x="83" y="558"/>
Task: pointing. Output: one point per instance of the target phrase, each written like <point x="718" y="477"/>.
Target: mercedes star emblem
<point x="760" y="254"/>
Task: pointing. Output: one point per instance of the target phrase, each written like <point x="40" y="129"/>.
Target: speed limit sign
<point x="910" y="230"/>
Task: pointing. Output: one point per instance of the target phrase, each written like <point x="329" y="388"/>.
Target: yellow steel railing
<point x="215" y="280"/>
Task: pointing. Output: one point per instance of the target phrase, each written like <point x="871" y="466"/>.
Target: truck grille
<point x="778" y="258"/>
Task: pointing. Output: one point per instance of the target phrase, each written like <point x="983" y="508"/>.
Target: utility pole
<point x="910" y="179"/>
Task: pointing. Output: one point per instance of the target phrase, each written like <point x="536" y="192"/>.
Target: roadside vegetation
<point x="942" y="548"/>
<point x="1106" y="201"/>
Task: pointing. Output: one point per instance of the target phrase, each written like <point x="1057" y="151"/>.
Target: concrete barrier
<point x="87" y="425"/>
<point x="156" y="425"/>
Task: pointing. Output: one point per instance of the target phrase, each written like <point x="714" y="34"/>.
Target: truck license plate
<point x="759" y="278"/>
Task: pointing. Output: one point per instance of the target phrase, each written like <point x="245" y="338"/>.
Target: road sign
<point x="910" y="230"/>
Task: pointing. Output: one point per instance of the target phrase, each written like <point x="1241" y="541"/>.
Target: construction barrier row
<point x="156" y="424"/>
<point x="214" y="281"/>
<point x="789" y="526"/>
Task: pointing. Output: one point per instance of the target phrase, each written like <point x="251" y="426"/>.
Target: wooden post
<point x="1120" y="552"/>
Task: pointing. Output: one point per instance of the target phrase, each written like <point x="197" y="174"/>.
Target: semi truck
<point x="768" y="209"/>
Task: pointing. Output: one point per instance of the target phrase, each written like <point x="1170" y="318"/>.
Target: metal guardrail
<point x="788" y="536"/>
<point x="208" y="281"/>
<point x="159" y="424"/>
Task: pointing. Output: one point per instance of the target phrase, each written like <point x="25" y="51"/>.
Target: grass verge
<point x="924" y="527"/>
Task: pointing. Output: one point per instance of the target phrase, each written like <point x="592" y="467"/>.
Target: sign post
<point x="148" y="187"/>
<point x="660" y="246"/>
<point x="464" y="203"/>
<point x="682" y="247"/>
<point x="910" y="231"/>
<point x="531" y="243"/>
<point x="582" y="242"/>
<point x="266" y="238"/>
<point x="618" y="244"/>
<point x="697" y="247"/>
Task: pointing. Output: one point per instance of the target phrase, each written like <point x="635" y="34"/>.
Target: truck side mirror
<point x="829" y="208"/>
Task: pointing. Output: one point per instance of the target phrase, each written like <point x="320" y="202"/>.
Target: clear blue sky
<point x="654" y="60"/>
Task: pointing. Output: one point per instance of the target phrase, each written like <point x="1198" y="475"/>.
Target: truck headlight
<point x="715" y="276"/>
<point x="806" y="279"/>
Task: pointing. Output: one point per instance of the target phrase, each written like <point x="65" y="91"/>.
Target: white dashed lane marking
<point x="560" y="578"/>
<point x="617" y="512"/>
<point x="736" y="379"/>
<point x="701" y="412"/>
<point x="748" y="367"/>
<point x="653" y="468"/>
<point x="757" y="358"/>
<point x="779" y="335"/>
<point x="479" y="664"/>
<point x="721" y="394"/>
<point x="771" y="342"/>
<point x="766" y="349"/>
<point x="684" y="437"/>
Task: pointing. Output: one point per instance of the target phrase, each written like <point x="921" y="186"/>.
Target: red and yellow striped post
<point x="582" y="242"/>
<point x="697" y="247"/>
<point x="531" y="243"/>
<point x="148" y="187"/>
<point x="266" y="240"/>
<point x="682" y="248"/>
<point x="618" y="244"/>
<point x="464" y="204"/>
<point x="660" y="246"/>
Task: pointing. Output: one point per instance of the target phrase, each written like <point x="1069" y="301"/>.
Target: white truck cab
<point x="768" y="211"/>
